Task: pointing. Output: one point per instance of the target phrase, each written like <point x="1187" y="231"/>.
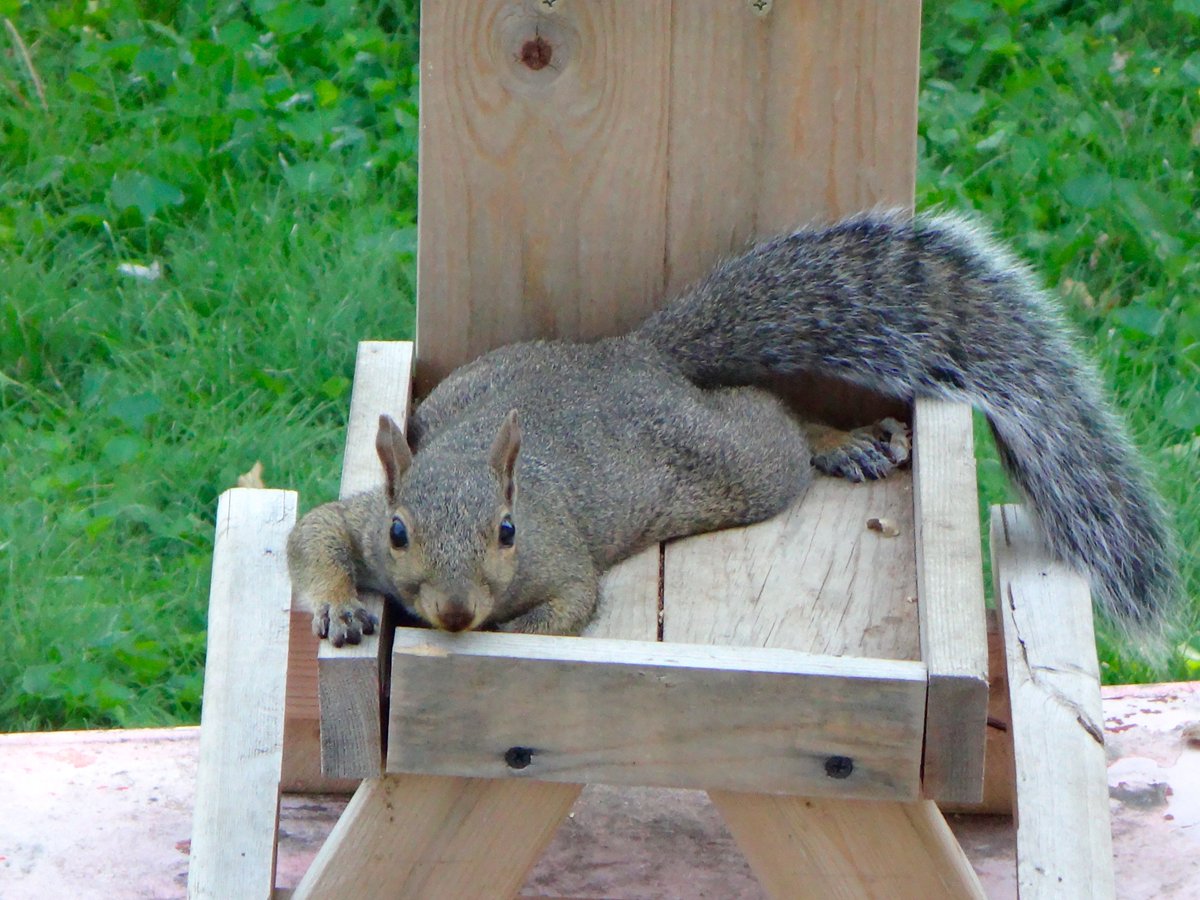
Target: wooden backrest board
<point x="582" y="159"/>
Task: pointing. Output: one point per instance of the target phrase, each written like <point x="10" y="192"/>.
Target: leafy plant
<point x="204" y="204"/>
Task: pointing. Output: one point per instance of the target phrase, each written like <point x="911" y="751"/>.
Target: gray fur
<point x="663" y="432"/>
<point x="930" y="307"/>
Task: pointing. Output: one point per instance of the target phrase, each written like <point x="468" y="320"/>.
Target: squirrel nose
<point x="455" y="617"/>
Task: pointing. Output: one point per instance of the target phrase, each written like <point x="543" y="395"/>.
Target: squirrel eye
<point x="508" y="532"/>
<point x="398" y="534"/>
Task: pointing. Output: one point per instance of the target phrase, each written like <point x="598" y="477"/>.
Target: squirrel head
<point x="451" y="541"/>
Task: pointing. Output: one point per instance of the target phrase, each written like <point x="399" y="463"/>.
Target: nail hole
<point x="518" y="757"/>
<point x="839" y="766"/>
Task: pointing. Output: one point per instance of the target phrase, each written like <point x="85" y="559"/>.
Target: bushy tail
<point x="930" y="307"/>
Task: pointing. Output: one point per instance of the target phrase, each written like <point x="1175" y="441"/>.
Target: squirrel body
<point x="528" y="472"/>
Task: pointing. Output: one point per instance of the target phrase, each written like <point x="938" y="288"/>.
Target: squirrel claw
<point x="343" y="625"/>
<point x="867" y="454"/>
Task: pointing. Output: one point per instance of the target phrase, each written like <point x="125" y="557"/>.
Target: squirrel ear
<point x="394" y="454"/>
<point x="503" y="458"/>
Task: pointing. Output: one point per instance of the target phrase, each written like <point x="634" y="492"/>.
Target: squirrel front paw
<point x="343" y="623"/>
<point x="866" y="453"/>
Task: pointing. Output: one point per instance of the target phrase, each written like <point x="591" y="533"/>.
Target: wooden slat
<point x="841" y="114"/>
<point x="415" y="837"/>
<point x="628" y="608"/>
<point x="382" y="384"/>
<point x="950" y="596"/>
<point x="1064" y="840"/>
<point x="241" y="727"/>
<point x="542" y="190"/>
<point x="998" y="775"/>
<point x="807" y="113"/>
<point x="848" y="850"/>
<point x="350" y="678"/>
<point x="665" y="715"/>
<point x="814" y="578"/>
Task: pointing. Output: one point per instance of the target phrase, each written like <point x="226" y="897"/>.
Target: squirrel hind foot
<point x="864" y="454"/>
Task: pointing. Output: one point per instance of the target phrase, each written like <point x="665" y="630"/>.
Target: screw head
<point x="518" y="757"/>
<point x="839" y="766"/>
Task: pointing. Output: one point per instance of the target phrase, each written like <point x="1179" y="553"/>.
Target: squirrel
<point x="528" y="472"/>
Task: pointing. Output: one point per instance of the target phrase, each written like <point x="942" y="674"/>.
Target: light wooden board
<point x="848" y="850"/>
<point x="629" y="597"/>
<point x="666" y="715"/>
<point x="950" y="592"/>
<point x="351" y="682"/>
<point x="241" y="727"/>
<point x="542" y="191"/>
<point x="1064" y="840"/>
<point x="382" y="384"/>
<point x="807" y="113"/>
<point x="814" y="578"/>
<point x="424" y="837"/>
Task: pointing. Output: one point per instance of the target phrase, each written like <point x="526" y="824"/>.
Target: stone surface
<point x="108" y="815"/>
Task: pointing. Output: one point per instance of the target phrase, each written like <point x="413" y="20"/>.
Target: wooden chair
<point x="822" y="675"/>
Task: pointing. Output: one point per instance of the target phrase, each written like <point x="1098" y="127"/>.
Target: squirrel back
<point x="931" y="307"/>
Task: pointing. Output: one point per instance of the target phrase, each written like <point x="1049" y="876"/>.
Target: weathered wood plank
<point x="667" y="715"/>
<point x="848" y="850"/>
<point x="815" y="578"/>
<point x="629" y="595"/>
<point x="768" y="133"/>
<point x="241" y="727"/>
<point x="351" y="682"/>
<point x="998" y="775"/>
<point x="950" y="600"/>
<point x="544" y="172"/>
<point x="1064" y="840"/>
<point x="382" y="383"/>
<point x="405" y="836"/>
<point x="841" y="111"/>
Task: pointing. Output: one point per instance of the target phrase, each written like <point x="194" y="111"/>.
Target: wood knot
<point x="536" y="53"/>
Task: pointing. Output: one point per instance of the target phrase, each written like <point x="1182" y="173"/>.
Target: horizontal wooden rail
<point x="587" y="710"/>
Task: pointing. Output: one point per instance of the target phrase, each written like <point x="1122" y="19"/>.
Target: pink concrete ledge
<point x="107" y="814"/>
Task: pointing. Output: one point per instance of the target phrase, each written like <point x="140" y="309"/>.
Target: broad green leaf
<point x="144" y="192"/>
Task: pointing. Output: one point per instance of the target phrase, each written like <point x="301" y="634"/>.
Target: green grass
<point x="1075" y="132"/>
<point x="273" y="181"/>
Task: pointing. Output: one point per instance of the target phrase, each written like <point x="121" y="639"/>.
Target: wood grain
<point x="628" y="607"/>
<point x="808" y="113"/>
<point x="1064" y="839"/>
<point x="424" y="837"/>
<point x="351" y="682"/>
<point x="542" y="190"/>
<point x="814" y="578"/>
<point x="241" y="727"/>
<point x="848" y="849"/>
<point x="950" y="592"/>
<point x="664" y="715"/>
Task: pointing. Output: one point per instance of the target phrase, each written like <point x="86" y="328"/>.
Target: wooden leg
<point x="1064" y="837"/>
<point x="834" y="849"/>
<point x="241" y="730"/>
<point x="427" y="836"/>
